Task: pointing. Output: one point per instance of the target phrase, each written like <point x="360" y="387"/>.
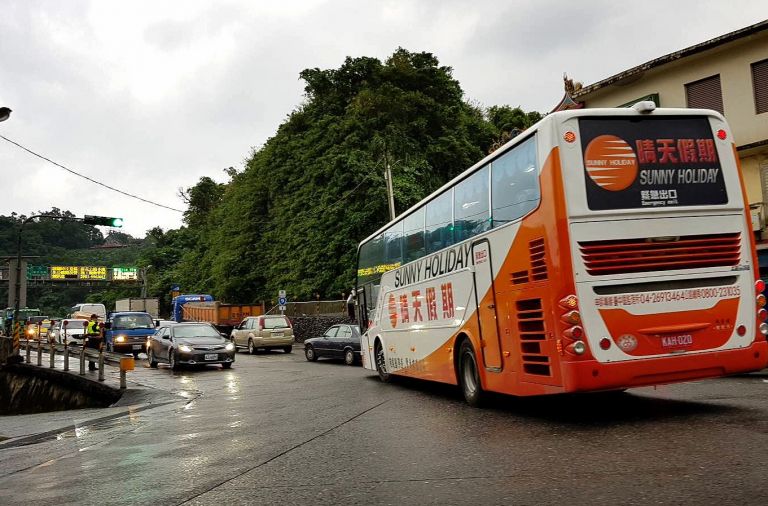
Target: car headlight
<point x="120" y="339"/>
<point x="185" y="348"/>
<point x="229" y="347"/>
<point x="31" y="332"/>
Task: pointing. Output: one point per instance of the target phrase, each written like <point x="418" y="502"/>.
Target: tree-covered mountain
<point x="293" y="217"/>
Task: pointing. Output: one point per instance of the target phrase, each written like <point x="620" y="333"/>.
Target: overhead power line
<point x="89" y="178"/>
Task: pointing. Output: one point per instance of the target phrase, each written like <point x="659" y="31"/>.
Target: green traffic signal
<point x="108" y="221"/>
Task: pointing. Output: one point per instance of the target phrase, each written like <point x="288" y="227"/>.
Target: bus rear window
<point x="649" y="162"/>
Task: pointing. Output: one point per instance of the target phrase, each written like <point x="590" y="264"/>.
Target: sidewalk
<point x="17" y="430"/>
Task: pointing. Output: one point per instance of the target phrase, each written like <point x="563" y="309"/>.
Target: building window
<point x="760" y="85"/>
<point x="705" y="94"/>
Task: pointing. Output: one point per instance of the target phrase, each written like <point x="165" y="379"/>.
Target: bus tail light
<point x="759" y="286"/>
<point x="605" y="343"/>
<point x="760" y="300"/>
<point x="577" y="348"/>
<point x="574" y="333"/>
<point x="570" y="302"/>
<point x="741" y="330"/>
<point x="572" y="317"/>
<point x="762" y="314"/>
<point x="764" y="329"/>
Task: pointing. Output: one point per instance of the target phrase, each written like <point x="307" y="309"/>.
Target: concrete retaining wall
<point x="26" y="389"/>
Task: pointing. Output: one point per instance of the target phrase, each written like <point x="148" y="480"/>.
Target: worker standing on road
<point x="351" y="304"/>
<point x="93" y="333"/>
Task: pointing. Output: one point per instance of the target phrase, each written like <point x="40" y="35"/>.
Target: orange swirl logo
<point x="611" y="163"/>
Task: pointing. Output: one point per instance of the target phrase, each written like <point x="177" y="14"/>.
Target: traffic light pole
<point x="17" y="285"/>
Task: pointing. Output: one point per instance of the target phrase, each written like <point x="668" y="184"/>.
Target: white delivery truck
<point x="148" y="305"/>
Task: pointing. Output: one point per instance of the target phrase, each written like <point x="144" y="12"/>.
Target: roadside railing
<point x="82" y="354"/>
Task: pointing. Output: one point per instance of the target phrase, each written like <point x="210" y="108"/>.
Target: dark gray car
<point x="191" y="344"/>
<point x="339" y="341"/>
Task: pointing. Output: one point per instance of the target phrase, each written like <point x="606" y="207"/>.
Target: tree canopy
<point x="293" y="218"/>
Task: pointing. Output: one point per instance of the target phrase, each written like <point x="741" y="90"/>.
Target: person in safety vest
<point x="93" y="334"/>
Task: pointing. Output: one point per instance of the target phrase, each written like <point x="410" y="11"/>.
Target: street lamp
<point x="5" y="113"/>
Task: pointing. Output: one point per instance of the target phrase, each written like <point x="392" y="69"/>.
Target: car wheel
<point x="172" y="361"/>
<point x="151" y="359"/>
<point x="381" y="363"/>
<point x="309" y="352"/>
<point x="288" y="349"/>
<point x="469" y="378"/>
<point x="251" y="347"/>
<point x="349" y="357"/>
<point x="226" y="365"/>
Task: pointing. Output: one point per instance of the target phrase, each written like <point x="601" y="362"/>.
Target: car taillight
<point x="261" y="323"/>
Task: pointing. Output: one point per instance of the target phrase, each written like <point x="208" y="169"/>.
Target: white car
<point x="75" y="328"/>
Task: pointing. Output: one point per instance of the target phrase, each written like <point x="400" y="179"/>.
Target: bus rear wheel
<point x="381" y="363"/>
<point x="469" y="377"/>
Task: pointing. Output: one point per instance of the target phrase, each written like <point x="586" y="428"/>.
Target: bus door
<point x="485" y="297"/>
<point x="362" y="309"/>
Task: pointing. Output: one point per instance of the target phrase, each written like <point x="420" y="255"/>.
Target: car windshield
<point x="187" y="331"/>
<point x="134" y="321"/>
<point x="276" y="323"/>
<point x="74" y="325"/>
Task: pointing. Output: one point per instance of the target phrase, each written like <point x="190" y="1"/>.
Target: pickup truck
<point x="128" y="331"/>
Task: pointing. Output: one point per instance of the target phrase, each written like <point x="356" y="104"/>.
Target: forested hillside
<point x="293" y="217"/>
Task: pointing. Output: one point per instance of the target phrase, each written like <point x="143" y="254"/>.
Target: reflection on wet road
<point x="277" y="429"/>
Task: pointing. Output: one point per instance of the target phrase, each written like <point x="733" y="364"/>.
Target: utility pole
<point x="390" y="187"/>
<point x="390" y="190"/>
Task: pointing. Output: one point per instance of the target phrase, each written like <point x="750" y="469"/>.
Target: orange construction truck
<point x="223" y="316"/>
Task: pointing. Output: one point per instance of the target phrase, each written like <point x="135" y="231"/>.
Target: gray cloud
<point x="149" y="96"/>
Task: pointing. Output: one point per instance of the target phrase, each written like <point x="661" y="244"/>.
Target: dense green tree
<point x="293" y="218"/>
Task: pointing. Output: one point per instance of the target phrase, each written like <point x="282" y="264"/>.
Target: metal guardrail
<point x="83" y="354"/>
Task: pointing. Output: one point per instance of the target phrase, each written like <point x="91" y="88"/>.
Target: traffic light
<point x="102" y="220"/>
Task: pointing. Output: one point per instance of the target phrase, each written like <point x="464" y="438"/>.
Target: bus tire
<point x="469" y="377"/>
<point x="381" y="363"/>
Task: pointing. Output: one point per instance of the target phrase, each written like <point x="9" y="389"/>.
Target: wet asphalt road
<point x="276" y="429"/>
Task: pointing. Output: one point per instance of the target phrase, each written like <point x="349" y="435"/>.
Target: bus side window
<point x="470" y="210"/>
<point x="515" y="183"/>
<point x="439" y="222"/>
<point x="413" y="236"/>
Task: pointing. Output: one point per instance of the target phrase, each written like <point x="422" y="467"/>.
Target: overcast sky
<point x="149" y="96"/>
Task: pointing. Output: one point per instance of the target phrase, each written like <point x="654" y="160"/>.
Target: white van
<point x="85" y="310"/>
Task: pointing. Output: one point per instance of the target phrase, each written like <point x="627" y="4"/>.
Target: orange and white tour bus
<point x="601" y="249"/>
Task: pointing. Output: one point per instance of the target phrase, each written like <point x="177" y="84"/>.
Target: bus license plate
<point x="211" y="356"/>
<point x="136" y="346"/>
<point x="676" y="341"/>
